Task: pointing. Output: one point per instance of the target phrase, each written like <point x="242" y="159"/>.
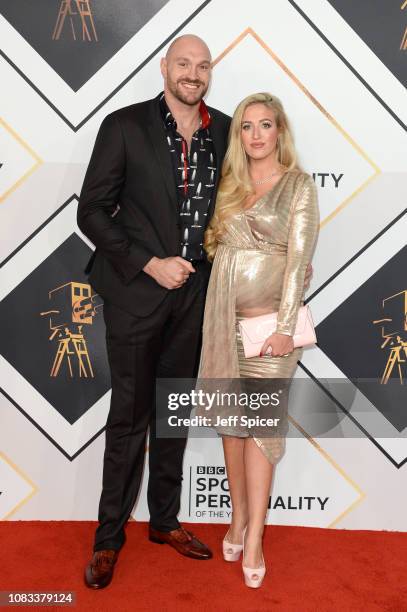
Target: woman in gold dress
<point x="261" y="239"/>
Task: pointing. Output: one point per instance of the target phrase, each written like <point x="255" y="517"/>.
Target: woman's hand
<point x="277" y="345"/>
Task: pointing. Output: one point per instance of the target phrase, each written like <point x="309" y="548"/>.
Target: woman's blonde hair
<point x="235" y="184"/>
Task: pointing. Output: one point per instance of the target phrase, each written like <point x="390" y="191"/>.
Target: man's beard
<point x="191" y="99"/>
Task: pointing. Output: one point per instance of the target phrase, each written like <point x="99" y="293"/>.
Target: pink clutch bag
<point x="255" y="330"/>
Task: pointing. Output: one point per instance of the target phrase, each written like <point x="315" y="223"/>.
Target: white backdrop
<point x="347" y="109"/>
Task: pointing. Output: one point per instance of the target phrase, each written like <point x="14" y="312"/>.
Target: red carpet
<point x="309" y="569"/>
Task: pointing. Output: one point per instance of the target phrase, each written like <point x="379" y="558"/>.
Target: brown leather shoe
<point x="183" y="541"/>
<point x="99" y="572"/>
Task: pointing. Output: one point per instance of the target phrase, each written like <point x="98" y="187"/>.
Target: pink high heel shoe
<point x="231" y="552"/>
<point x="253" y="576"/>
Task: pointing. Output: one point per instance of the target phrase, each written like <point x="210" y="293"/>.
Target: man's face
<point x="187" y="71"/>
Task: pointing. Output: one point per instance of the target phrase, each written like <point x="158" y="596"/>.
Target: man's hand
<point x="170" y="272"/>
<point x="308" y="276"/>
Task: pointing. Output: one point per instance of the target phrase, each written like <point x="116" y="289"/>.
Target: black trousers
<point x="165" y="344"/>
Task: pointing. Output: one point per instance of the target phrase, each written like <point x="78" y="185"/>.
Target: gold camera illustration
<point x="394" y="334"/>
<point x="73" y="306"/>
<point x="82" y="16"/>
<point x="403" y="44"/>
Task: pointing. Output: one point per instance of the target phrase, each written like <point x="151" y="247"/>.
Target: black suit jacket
<point x="131" y="166"/>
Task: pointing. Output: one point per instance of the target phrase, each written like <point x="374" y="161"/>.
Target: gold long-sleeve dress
<point x="259" y="267"/>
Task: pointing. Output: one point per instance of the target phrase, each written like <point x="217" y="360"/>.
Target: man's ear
<point x="163" y="67"/>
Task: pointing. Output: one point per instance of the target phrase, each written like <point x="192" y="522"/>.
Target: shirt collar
<point x="169" y="120"/>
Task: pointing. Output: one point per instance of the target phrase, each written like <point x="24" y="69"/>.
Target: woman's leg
<point x="233" y="447"/>
<point x="258" y="474"/>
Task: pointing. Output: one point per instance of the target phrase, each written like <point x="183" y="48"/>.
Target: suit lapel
<point x="156" y="132"/>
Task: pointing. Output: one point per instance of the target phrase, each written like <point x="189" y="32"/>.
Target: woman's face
<point x="259" y="131"/>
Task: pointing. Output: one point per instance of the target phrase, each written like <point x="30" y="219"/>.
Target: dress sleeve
<point x="303" y="232"/>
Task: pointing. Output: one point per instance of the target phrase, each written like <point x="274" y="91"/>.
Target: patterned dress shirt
<point x="195" y="176"/>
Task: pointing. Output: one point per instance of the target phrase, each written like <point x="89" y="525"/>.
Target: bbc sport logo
<point x="210" y="469"/>
<point x="209" y="497"/>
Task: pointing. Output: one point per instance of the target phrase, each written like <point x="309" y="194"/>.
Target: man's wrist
<point x="151" y="265"/>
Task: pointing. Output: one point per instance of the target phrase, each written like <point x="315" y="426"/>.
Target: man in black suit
<point x="148" y="193"/>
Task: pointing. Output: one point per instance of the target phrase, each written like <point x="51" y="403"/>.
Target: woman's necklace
<point x="267" y="178"/>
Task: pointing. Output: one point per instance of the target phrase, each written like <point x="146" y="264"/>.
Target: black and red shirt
<point x="195" y="176"/>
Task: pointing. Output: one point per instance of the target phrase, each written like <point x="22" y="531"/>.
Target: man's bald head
<point x="186" y="69"/>
<point x="192" y="43"/>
